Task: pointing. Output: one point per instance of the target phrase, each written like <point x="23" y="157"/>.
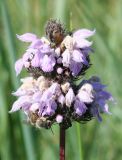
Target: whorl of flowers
<point x="49" y="95"/>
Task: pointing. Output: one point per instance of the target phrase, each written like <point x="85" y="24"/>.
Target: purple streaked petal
<point x="87" y="50"/>
<point x="46" y="96"/>
<point x="83" y="33"/>
<point x="50" y="109"/>
<point x="95" y="111"/>
<point x="98" y="86"/>
<point x="80" y="107"/>
<point x="75" y="67"/>
<point x="27" y="37"/>
<point x="105" y="95"/>
<point x="18" y="66"/>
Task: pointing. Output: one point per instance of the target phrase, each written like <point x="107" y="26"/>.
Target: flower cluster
<point x="49" y="95"/>
<point x="68" y="59"/>
<point x="52" y="102"/>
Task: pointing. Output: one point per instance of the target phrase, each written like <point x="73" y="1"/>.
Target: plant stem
<point x="62" y="143"/>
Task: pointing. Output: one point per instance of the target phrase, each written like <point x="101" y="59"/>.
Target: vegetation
<point x="91" y="141"/>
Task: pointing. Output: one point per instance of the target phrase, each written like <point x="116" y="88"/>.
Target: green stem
<point x="79" y="141"/>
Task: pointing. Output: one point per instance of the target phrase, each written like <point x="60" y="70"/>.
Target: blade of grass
<point x="79" y="140"/>
<point x="11" y="55"/>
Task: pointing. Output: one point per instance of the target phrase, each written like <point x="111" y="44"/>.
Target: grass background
<point x="92" y="141"/>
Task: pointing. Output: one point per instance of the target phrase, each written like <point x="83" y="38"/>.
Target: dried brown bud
<point x="55" y="31"/>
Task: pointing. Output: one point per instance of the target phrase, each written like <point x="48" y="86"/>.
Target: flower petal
<point x="27" y="37"/>
<point x="82" y="43"/>
<point x="80" y="107"/>
<point x="23" y="102"/>
<point x="48" y="63"/>
<point x="18" y="66"/>
<point x="61" y="99"/>
<point x="78" y="56"/>
<point x="84" y="33"/>
<point x="70" y="96"/>
<point x="66" y="58"/>
<point x="36" y="60"/>
<point x="75" y="67"/>
<point x="36" y="44"/>
<point x="59" y="118"/>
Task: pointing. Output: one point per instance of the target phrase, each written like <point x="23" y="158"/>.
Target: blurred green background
<point x="91" y="141"/>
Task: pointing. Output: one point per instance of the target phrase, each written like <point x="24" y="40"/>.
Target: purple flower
<point x="23" y="102"/>
<point x="49" y="108"/>
<point x="48" y="63"/>
<point x="70" y="96"/>
<point x="101" y="97"/>
<point x="36" y="60"/>
<point x="75" y="54"/>
<point x="78" y="56"/>
<point x="61" y="99"/>
<point x="83" y="33"/>
<point x="59" y="118"/>
<point x="34" y="107"/>
<point x="86" y="93"/>
<point x="55" y="89"/>
<point x="27" y="37"/>
<point x="18" y="66"/>
<point x="79" y="38"/>
<point x="80" y="107"/>
<point x="66" y="58"/>
<point x="75" y="67"/>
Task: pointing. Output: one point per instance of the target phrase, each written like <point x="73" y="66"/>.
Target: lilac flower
<point x="51" y="107"/>
<point x="86" y="93"/>
<point x="53" y="97"/>
<point x="59" y="70"/>
<point x="61" y="99"/>
<point x="36" y="60"/>
<point x="59" y="118"/>
<point x="34" y="107"/>
<point x="24" y="102"/>
<point x="75" y="67"/>
<point x="97" y="96"/>
<point x="66" y="58"/>
<point x="27" y="37"/>
<point x="18" y="66"/>
<point x="79" y="38"/>
<point x="70" y="96"/>
<point x="73" y="57"/>
<point x="48" y="63"/>
<point x="38" y="54"/>
<point x="80" y="107"/>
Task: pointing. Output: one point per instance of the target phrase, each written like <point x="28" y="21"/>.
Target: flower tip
<point x="59" y="119"/>
<point x="27" y="37"/>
